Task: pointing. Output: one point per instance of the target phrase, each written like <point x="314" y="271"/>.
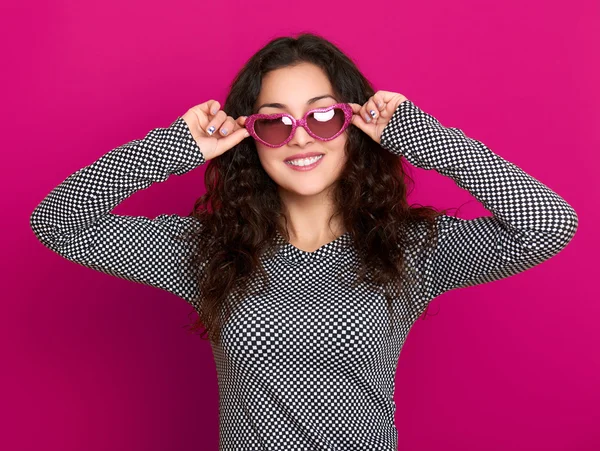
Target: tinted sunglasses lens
<point x="273" y="131"/>
<point x="325" y="124"/>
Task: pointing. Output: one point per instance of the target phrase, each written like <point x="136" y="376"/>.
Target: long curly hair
<point x="241" y="212"/>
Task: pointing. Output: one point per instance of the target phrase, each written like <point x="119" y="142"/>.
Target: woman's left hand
<point x="379" y="109"/>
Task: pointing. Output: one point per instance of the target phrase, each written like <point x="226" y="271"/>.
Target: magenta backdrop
<point x="95" y="362"/>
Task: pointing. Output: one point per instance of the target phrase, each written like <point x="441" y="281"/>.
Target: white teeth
<point x="304" y="161"/>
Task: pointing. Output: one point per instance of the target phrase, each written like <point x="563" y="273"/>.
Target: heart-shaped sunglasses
<point x="276" y="130"/>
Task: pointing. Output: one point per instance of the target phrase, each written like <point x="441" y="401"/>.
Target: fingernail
<point x="372" y="113"/>
<point x="367" y="118"/>
<point x="224" y="131"/>
<point x="213" y="111"/>
<point x="211" y="129"/>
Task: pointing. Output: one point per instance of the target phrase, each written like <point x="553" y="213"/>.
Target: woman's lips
<point x="305" y="168"/>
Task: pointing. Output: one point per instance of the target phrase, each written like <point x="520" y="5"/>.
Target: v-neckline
<point x="292" y="253"/>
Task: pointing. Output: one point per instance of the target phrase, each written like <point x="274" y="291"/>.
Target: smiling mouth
<point x="303" y="162"/>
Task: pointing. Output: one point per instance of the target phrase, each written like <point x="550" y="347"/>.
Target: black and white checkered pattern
<point x="309" y="364"/>
<point x="530" y="222"/>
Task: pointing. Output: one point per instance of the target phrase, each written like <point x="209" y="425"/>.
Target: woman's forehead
<point x="313" y="102"/>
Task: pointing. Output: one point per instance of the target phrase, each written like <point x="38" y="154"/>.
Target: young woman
<point x="304" y="261"/>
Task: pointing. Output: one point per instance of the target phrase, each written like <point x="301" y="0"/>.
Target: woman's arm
<point x="75" y="219"/>
<point x="530" y="222"/>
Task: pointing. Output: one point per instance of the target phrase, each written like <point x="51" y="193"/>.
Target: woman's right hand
<point x="201" y="118"/>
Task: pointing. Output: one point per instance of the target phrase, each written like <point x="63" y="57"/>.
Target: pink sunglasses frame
<point x="346" y="108"/>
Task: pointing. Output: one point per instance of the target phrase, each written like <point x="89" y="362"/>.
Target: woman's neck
<point x="308" y="219"/>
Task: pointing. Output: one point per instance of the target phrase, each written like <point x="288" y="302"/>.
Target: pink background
<point x="95" y="362"/>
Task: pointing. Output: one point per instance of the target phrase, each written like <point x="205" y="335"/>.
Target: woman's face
<point x="293" y="88"/>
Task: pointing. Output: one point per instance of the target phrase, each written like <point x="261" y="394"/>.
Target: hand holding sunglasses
<point x="204" y="119"/>
<point x="375" y="114"/>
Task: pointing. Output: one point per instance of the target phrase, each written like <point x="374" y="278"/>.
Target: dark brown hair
<point x="241" y="212"/>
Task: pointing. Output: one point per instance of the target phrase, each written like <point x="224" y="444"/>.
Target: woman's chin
<point x="304" y="190"/>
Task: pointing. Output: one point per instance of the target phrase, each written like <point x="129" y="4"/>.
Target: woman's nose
<point x="301" y="137"/>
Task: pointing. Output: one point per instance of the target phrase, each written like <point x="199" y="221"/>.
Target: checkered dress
<point x="310" y="363"/>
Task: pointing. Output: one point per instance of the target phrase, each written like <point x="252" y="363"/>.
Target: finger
<point x="355" y="107"/>
<point x="204" y="114"/>
<point x="385" y="96"/>
<point x="391" y="99"/>
<point x="358" y="110"/>
<point x="359" y="121"/>
<point x="208" y="107"/>
<point x="233" y="139"/>
<point x="228" y="126"/>
<point x="240" y="122"/>
<point x="213" y="107"/>
<point x="372" y="109"/>
<point x="364" y="112"/>
<point x="378" y="100"/>
<point x="216" y="122"/>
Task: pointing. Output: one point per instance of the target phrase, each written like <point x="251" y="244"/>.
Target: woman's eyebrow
<point x="282" y="106"/>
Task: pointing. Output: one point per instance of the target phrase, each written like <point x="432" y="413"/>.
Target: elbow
<point x="541" y="245"/>
<point x="41" y="227"/>
<point x="568" y="227"/>
<point x="565" y="227"/>
<point x="37" y="225"/>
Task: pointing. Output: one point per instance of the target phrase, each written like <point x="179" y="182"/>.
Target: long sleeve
<point x="75" y="219"/>
<point x="530" y="222"/>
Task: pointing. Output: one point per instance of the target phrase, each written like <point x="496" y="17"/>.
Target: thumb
<point x="357" y="119"/>
<point x="241" y="121"/>
<point x="359" y="122"/>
